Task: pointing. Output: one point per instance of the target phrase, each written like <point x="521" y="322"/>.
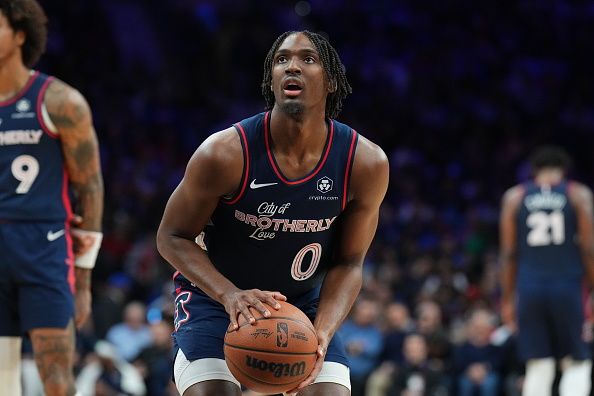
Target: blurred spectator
<point x="133" y="334"/>
<point x="430" y="326"/>
<point x="363" y="341"/>
<point x="477" y="362"/>
<point x="154" y="362"/>
<point x="106" y="374"/>
<point x="415" y="376"/>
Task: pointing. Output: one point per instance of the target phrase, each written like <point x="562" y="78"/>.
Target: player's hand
<point x="239" y="303"/>
<point x="80" y="243"/>
<point x="82" y="307"/>
<point x="508" y="314"/>
<point x="323" y="341"/>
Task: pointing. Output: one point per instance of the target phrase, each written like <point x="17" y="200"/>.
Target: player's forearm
<point x="82" y="278"/>
<point x="193" y="262"/>
<point x="89" y="202"/>
<point x="508" y="279"/>
<point x="339" y="291"/>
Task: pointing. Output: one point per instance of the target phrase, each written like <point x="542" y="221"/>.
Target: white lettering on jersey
<point x="20" y="136"/>
<point x="546" y="200"/>
<point x="266" y="226"/>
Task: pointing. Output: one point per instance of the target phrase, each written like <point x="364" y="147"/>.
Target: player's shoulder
<point x="219" y="151"/>
<point x="513" y="195"/>
<point x="579" y="192"/>
<point x="61" y="97"/>
<point x="369" y="154"/>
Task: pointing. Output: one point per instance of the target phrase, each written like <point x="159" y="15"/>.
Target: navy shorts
<point x="201" y="324"/>
<point x="36" y="277"/>
<point x="550" y="321"/>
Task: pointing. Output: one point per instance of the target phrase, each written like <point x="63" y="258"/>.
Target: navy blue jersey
<point x="277" y="233"/>
<point x="547" y="236"/>
<point x="33" y="179"/>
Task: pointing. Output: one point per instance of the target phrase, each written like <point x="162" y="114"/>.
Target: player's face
<point x="298" y="77"/>
<point x="10" y="40"/>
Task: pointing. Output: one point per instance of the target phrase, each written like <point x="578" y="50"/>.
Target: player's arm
<point x="214" y="171"/>
<point x="581" y="199"/>
<point x="358" y="223"/>
<point x="70" y="113"/>
<point x="508" y="251"/>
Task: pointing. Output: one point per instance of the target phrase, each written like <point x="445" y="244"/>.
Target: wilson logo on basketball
<point x="282" y="334"/>
<point x="278" y="369"/>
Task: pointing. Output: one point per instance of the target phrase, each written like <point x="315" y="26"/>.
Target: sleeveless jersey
<point x="277" y="233"/>
<point x="33" y="179"/>
<point x="547" y="236"/>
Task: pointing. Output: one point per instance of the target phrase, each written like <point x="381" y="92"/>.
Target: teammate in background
<point x="289" y="201"/>
<point x="547" y="246"/>
<point x="48" y="149"/>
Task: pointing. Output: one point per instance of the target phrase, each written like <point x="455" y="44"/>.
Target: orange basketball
<point x="275" y="354"/>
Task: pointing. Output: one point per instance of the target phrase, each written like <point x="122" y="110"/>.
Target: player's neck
<point x="291" y="134"/>
<point x="13" y="77"/>
<point x="549" y="177"/>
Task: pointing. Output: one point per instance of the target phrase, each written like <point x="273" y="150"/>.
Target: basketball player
<point x="288" y="200"/>
<point x="48" y="149"/>
<point x="547" y="246"/>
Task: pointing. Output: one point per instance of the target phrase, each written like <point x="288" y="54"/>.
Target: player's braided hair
<point x="333" y="67"/>
<point x="29" y="17"/>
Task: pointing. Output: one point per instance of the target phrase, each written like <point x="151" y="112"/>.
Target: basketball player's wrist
<point x="87" y="259"/>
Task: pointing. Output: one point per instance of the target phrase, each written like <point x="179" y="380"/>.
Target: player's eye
<point x="281" y="59"/>
<point x="309" y="59"/>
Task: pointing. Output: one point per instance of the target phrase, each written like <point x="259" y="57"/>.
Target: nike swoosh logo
<point x="52" y="236"/>
<point x="253" y="184"/>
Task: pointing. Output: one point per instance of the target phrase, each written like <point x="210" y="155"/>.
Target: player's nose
<point x="293" y="66"/>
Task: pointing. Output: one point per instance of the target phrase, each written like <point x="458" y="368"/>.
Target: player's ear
<point x="332" y="85"/>
<point x="20" y="37"/>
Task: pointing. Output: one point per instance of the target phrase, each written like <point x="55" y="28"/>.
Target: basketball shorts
<point x="37" y="277"/>
<point x="550" y="321"/>
<point x="200" y="327"/>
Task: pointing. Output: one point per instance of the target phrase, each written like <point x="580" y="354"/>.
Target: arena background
<point x="456" y="92"/>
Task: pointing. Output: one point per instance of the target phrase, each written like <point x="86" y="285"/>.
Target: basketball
<point x="274" y="354"/>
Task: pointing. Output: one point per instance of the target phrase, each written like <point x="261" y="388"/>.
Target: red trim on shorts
<point x="347" y="171"/>
<point x="40" y="97"/>
<point x="23" y="90"/>
<point x="246" y="168"/>
<point x="273" y="161"/>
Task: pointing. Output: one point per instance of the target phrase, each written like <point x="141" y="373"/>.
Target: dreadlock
<point x="333" y="67"/>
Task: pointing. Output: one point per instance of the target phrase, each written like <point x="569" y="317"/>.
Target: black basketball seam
<point x="264" y="382"/>
<point x="267" y="351"/>
<point x="275" y="317"/>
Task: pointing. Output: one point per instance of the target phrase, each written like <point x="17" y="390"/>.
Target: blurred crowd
<point x="456" y="92"/>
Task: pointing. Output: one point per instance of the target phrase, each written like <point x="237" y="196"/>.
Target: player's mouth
<point x="292" y="87"/>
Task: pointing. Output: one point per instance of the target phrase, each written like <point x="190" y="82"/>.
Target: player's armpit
<point x="71" y="114"/>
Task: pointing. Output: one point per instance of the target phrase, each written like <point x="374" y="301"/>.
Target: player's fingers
<point x="310" y="378"/>
<point x="244" y="310"/>
<point x="76" y="220"/>
<point x="261" y="307"/>
<point x="233" y="319"/>
<point x="279" y="296"/>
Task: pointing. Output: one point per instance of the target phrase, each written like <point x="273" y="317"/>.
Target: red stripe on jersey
<point x="347" y="171"/>
<point x="38" y="108"/>
<point x="246" y="173"/>
<point x="273" y="161"/>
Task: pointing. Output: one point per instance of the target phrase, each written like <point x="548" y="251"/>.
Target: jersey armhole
<point x="349" y="167"/>
<point x="230" y="200"/>
<point x="42" y="114"/>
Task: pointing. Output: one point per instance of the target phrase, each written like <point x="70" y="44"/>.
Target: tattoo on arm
<point x="70" y="113"/>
